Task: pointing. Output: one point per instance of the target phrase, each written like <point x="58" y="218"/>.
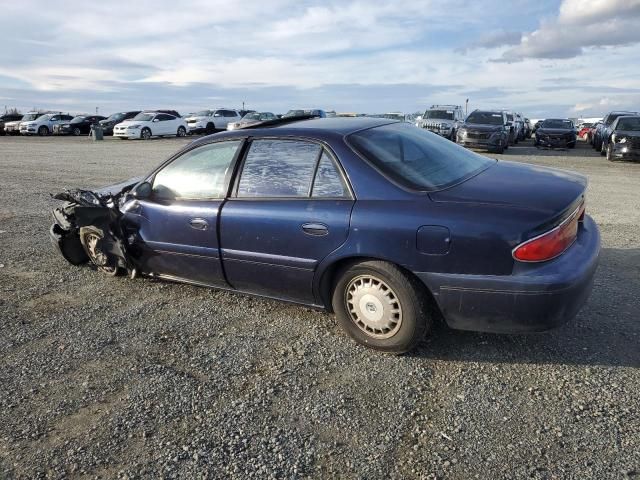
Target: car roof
<point x="316" y="127"/>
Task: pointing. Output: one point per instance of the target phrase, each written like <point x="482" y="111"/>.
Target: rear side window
<point x="279" y="168"/>
<point x="199" y="174"/>
<point x="416" y="158"/>
<point x="328" y="182"/>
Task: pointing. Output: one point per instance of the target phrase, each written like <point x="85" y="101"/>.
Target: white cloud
<point x="581" y="24"/>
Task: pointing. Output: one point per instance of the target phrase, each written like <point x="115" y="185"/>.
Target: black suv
<point x="485" y="129"/>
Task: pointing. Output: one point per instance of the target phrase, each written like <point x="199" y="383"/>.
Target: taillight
<point x="551" y="244"/>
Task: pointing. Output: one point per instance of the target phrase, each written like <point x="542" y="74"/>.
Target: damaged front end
<point x="88" y="227"/>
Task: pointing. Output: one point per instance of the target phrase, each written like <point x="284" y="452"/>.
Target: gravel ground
<point x="117" y="378"/>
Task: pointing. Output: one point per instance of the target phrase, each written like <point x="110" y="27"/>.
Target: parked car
<point x="79" y="125"/>
<point x="151" y="124"/>
<point x="8" y="118"/>
<point x="13" y="128"/>
<point x="252" y="118"/>
<point x="306" y="112"/>
<point x="528" y="128"/>
<point x="520" y="127"/>
<point x="556" y="133"/>
<point x="536" y="126"/>
<point x="514" y="128"/>
<point x="443" y="120"/>
<point x="583" y="130"/>
<point x="112" y="120"/>
<point x="43" y="125"/>
<point x="294" y="212"/>
<point x="605" y="131"/>
<point x="486" y="129"/>
<point x="592" y="132"/>
<point x="211" y="121"/>
<point x="624" y="142"/>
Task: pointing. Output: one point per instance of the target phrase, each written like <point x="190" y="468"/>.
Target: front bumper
<point x="483" y="144"/>
<point x="196" y="128"/>
<point x="625" y="152"/>
<point x="551" y="142"/>
<point x="130" y="134"/>
<point x="534" y="298"/>
<point x="28" y="130"/>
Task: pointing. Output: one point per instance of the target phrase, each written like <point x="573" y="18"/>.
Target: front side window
<point x="416" y="158"/>
<point x="199" y="174"/>
<point x="278" y="168"/>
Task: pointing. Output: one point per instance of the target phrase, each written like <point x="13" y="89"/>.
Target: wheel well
<point x="331" y="275"/>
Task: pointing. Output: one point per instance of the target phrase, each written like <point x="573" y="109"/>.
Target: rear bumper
<point x="535" y="298"/>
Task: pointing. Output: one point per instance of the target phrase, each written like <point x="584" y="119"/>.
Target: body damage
<point x="96" y="212"/>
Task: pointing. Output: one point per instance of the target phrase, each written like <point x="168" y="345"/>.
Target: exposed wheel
<point x="91" y="238"/>
<point x="210" y="128"/>
<point x="182" y="132"/>
<point x="145" y="134"/>
<point x="43" y="131"/>
<point x="76" y="132"/>
<point x="381" y="307"/>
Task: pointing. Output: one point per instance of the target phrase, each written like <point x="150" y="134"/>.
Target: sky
<point x="575" y="58"/>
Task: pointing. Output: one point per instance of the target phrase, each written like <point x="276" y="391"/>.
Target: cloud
<point x="580" y="24"/>
<point x="499" y="38"/>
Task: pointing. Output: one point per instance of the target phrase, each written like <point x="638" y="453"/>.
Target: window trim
<point x="324" y="146"/>
<point x="227" y="179"/>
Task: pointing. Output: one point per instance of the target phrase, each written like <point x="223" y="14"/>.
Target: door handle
<point x="199" y="223"/>
<point x="315" y="229"/>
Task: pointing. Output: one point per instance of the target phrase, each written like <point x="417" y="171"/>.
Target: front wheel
<point x="92" y="239"/>
<point x="43" y="131"/>
<point x="610" y="153"/>
<point x="182" y="132"/>
<point x="145" y="134"/>
<point x="76" y="132"/>
<point x="381" y="307"/>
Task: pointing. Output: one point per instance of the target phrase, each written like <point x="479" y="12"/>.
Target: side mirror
<point x="142" y="190"/>
<point x="156" y="120"/>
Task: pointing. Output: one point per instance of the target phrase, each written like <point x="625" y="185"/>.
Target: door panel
<point x="266" y="249"/>
<point x="178" y="239"/>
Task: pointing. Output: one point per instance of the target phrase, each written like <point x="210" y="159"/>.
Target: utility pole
<point x="466" y="107"/>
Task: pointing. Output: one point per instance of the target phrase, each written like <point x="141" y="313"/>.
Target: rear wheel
<point x="381" y="307"/>
<point x="182" y="132"/>
<point x="211" y="128"/>
<point x="91" y="239"/>
<point x="43" y="131"/>
<point x="145" y="134"/>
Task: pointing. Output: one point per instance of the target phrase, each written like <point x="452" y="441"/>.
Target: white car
<point x="210" y="121"/>
<point x="13" y="128"/>
<point x="43" y="125"/>
<point x="151" y="124"/>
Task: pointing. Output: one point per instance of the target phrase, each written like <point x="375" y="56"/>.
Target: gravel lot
<point x="117" y="378"/>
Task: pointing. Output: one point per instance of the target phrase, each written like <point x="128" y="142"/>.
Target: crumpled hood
<point x="118" y="187"/>
<point x="511" y="184"/>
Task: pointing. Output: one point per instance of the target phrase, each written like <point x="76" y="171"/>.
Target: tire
<point x="382" y="288"/>
<point x="210" y="128"/>
<point x="145" y="134"/>
<point x="182" y="132"/>
<point x="89" y="236"/>
<point x="43" y="131"/>
<point x="610" y="153"/>
<point x="76" y="132"/>
<point x="571" y="145"/>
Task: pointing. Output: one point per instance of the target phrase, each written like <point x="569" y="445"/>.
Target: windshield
<point x="43" y="117"/>
<point x="557" y="123"/>
<point x="144" y="117"/>
<point x="78" y="119"/>
<point x="614" y="116"/>
<point x="253" y="116"/>
<point x="116" y="117"/>
<point x="630" y="124"/>
<point x="296" y="113"/>
<point x="203" y="113"/>
<point x="439" y="114"/>
<point x="485" y="118"/>
<point x="30" y="116"/>
<point x="417" y="158"/>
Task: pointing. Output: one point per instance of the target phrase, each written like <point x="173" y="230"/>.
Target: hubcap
<point x="373" y="306"/>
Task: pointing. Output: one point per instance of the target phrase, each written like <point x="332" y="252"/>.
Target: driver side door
<point x="175" y="229"/>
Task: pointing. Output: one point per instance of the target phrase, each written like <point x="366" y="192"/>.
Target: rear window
<point x="416" y="158"/>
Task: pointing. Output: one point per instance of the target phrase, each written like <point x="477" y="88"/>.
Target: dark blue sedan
<point x="387" y="225"/>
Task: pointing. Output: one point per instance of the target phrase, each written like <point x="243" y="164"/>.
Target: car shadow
<point x="606" y="332"/>
<point x="526" y="148"/>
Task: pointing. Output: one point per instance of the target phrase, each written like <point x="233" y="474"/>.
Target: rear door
<point x="290" y="209"/>
<point x="176" y="228"/>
